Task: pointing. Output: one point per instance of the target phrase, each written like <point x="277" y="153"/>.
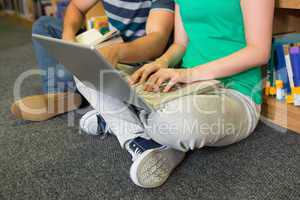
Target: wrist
<point x="201" y="74"/>
<point x="68" y="36"/>
<point x="163" y="61"/>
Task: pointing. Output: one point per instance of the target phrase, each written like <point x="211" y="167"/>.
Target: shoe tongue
<point x="139" y="145"/>
<point x="102" y="128"/>
<point x="135" y="150"/>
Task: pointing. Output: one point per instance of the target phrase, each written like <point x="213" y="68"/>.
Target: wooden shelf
<point x="287" y="20"/>
<point x="288" y="4"/>
<point x="282" y="114"/>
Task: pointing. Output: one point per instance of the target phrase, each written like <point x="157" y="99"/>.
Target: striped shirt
<point x="130" y="16"/>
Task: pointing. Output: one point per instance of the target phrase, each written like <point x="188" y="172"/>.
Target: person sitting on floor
<point x="224" y="40"/>
<point x="145" y="26"/>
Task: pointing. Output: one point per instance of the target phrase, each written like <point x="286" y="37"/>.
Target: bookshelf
<point x="281" y="114"/>
<point x="26" y="11"/>
<point x="288" y="4"/>
<point x="287" y="20"/>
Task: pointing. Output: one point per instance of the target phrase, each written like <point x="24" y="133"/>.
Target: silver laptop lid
<point x="89" y="66"/>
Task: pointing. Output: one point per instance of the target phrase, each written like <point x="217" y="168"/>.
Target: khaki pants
<point x="215" y="118"/>
<point x="218" y="118"/>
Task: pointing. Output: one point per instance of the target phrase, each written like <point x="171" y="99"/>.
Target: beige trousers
<point x="218" y="118"/>
<point x="215" y="118"/>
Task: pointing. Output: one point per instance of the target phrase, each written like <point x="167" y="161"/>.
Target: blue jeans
<point x="55" y="77"/>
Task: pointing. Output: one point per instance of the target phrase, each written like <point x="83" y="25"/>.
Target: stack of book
<point x="283" y="71"/>
<point x="98" y="22"/>
<point x="28" y="9"/>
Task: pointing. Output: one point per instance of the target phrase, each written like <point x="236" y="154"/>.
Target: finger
<point x="135" y="76"/>
<point x="158" y="83"/>
<point x="145" y="75"/>
<point x="171" y="83"/>
<point x="151" y="82"/>
<point x="149" y="69"/>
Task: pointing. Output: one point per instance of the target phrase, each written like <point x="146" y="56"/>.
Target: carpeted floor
<point x="51" y="160"/>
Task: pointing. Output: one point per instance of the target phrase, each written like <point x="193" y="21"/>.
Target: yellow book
<point x="272" y="91"/>
<point x="289" y="99"/>
<point x="101" y="24"/>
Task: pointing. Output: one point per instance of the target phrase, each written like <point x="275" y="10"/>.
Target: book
<point x="288" y="66"/>
<point x="94" y="38"/>
<point x="295" y="62"/>
<point x="282" y="39"/>
<point x="297" y="96"/>
<point x="280" y="67"/>
<point x="291" y="38"/>
<point x="101" y="24"/>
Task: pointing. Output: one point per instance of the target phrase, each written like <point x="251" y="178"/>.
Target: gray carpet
<point x="51" y="160"/>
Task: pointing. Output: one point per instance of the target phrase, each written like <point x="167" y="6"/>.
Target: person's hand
<point x="142" y="74"/>
<point x="111" y="54"/>
<point x="169" y="76"/>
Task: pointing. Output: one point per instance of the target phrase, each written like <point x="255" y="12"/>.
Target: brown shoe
<point x="46" y="106"/>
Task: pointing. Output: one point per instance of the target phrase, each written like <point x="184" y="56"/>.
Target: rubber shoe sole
<point x="153" y="167"/>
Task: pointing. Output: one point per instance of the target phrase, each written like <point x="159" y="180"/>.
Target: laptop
<point x="87" y="65"/>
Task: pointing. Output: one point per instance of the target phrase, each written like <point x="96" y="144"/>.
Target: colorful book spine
<point x="272" y="91"/>
<point x="289" y="67"/>
<point x="289" y="99"/>
<point x="281" y="68"/>
<point x="267" y="88"/>
<point x="296" y="92"/>
<point x="295" y="61"/>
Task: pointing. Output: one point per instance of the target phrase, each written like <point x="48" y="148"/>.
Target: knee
<point x="41" y="25"/>
<point x="181" y="127"/>
<point x="175" y="132"/>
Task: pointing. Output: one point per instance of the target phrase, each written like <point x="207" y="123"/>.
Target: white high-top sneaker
<point x="92" y="123"/>
<point x="152" y="162"/>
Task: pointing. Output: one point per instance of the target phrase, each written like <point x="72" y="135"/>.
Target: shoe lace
<point x="135" y="151"/>
<point x="102" y="129"/>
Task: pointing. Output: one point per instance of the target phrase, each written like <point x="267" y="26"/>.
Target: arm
<point x="171" y="57"/>
<point x="158" y="30"/>
<point x="176" y="52"/>
<point x="258" y="18"/>
<point x="74" y="16"/>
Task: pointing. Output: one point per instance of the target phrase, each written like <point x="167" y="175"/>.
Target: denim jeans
<point x="55" y="77"/>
